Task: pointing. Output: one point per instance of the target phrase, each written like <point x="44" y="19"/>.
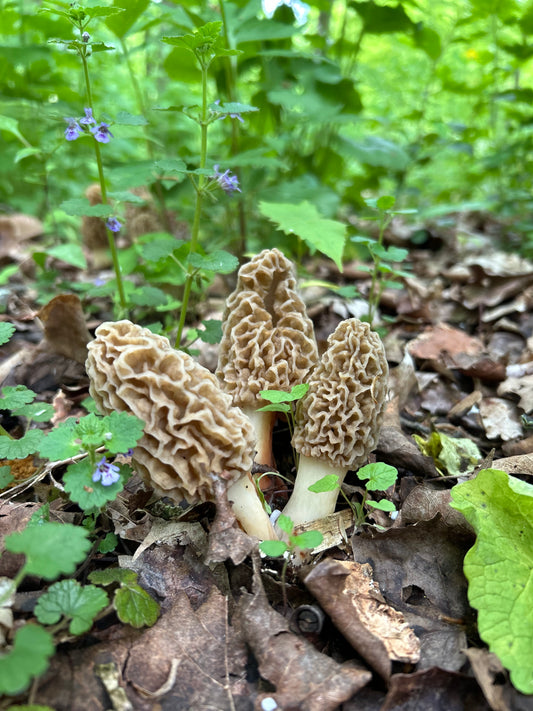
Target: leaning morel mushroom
<point x="339" y="418"/>
<point x="192" y="436"/>
<point x="268" y="340"/>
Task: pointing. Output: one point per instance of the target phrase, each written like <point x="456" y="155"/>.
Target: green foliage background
<point x="429" y="101"/>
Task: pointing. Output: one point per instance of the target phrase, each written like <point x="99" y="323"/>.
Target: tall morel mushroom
<point x="268" y="340"/>
<point x="339" y="418"/>
<point x="192" y="435"/>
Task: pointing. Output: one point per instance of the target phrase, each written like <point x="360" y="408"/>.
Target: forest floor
<point x="375" y="620"/>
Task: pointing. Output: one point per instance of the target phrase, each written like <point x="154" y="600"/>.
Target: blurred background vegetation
<point x="429" y="101"/>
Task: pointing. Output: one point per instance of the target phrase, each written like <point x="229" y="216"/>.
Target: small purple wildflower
<point x="85" y="37"/>
<point x="102" y="133"/>
<point x="88" y="118"/>
<point x="107" y="473"/>
<point x="229" y="183"/>
<point x="73" y="130"/>
<point x="113" y="224"/>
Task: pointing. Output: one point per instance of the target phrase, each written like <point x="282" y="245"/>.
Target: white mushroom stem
<point x="248" y="509"/>
<point x="304" y="505"/>
<point x="263" y="424"/>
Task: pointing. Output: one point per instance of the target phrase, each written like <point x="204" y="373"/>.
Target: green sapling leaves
<point x="67" y="598"/>
<point x="378" y="476"/>
<point x="133" y="604"/>
<point x="32" y="648"/>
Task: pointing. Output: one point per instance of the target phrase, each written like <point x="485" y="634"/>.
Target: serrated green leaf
<point x="70" y="599"/>
<point x="203" y="39"/>
<point x="170" y="165"/>
<point x="307" y="540"/>
<point x="380" y="476"/>
<point x="304" y="220"/>
<point x="212" y="332"/>
<point x="135" y="607"/>
<point x="160" y="245"/>
<point x="113" y="575"/>
<point x="148" y="296"/>
<point x="383" y="505"/>
<point x="36" y="411"/>
<point x="124" y="118"/>
<point x="70" y="254"/>
<point x="218" y="261"/>
<point x="32" y="648"/>
<point x="81" y="206"/>
<point x="61" y="442"/>
<point x="232" y="107"/>
<point x="499" y="567"/>
<point x="5" y="476"/>
<point x="102" y="10"/>
<point x="285" y="523"/>
<point x="16" y="396"/>
<point x="51" y="549"/>
<point x="273" y="549"/>
<point x="88" y="494"/>
<point x="108" y="543"/>
<point x="91" y="430"/>
<point x="6" y="331"/>
<point x="326" y="483"/>
<point x="20" y="448"/>
<point x="125" y="429"/>
<point x="121" y="23"/>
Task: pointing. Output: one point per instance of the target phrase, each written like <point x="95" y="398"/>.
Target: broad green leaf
<point x="32" y="648"/>
<point x="51" y="549"/>
<point x="5" y="476"/>
<point x="380" y="476"/>
<point x="383" y="505"/>
<point x="170" y="165"/>
<point x="273" y="549"/>
<point x="36" y="411"/>
<point x="113" y="575"/>
<point x="275" y="407"/>
<point x="6" y="331"/>
<point x="202" y="41"/>
<point x="125" y="429"/>
<point x="91" y="431"/>
<point x="88" y="494"/>
<point x="285" y="523"/>
<point x="135" y="607"/>
<point x="499" y="567"/>
<point x="20" y="448"/>
<point x="121" y="23"/>
<point x="81" y="206"/>
<point x="307" y="540"/>
<point x="148" y="295"/>
<point x="385" y="202"/>
<point x="108" y="543"/>
<point x="277" y="396"/>
<point x="379" y="19"/>
<point x="212" y="332"/>
<point x="70" y="599"/>
<point x="11" y="125"/>
<point x="303" y="220"/>
<point x="232" y="107"/>
<point x="124" y="118"/>
<point x="326" y="483"/>
<point x="159" y="246"/>
<point x="454" y="455"/>
<point x="15" y="396"/>
<point x="218" y="261"/>
<point x="70" y="254"/>
<point x="61" y="442"/>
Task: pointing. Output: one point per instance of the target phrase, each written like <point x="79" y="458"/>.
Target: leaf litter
<point x="399" y="630"/>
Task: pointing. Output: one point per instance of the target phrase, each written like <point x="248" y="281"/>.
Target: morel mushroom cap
<point x="339" y="418"/>
<point x="192" y="432"/>
<point x="268" y="340"/>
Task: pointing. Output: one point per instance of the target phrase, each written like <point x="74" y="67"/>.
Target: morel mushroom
<point x="338" y="420"/>
<point x="192" y="434"/>
<point x="268" y="340"/>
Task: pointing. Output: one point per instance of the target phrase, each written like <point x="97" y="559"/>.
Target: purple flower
<point x="106" y="473"/>
<point x="85" y="37"/>
<point x="113" y="224"/>
<point x="229" y="183"/>
<point x="73" y="130"/>
<point x="88" y="118"/>
<point x="237" y="116"/>
<point x="102" y="133"/>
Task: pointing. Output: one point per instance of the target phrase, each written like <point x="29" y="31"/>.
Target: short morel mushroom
<point x="339" y="418"/>
<point x="268" y="340"/>
<point x="193" y="434"/>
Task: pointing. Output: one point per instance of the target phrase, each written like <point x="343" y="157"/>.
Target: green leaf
<point x="232" y="107"/>
<point x="16" y="396"/>
<point x="380" y="476"/>
<point x="91" y="431"/>
<point x="32" y="648"/>
<point x="20" y="448"/>
<point x="275" y="407"/>
<point x="203" y="41"/>
<point x="383" y="505"/>
<point x="218" y="261"/>
<point x="88" y="494"/>
<point x="82" y="206"/>
<point x="307" y="540"/>
<point x="147" y="295"/>
<point x="379" y="19"/>
<point x="6" y="331"/>
<point x="212" y="332"/>
<point x="304" y="220"/>
<point x="170" y="165"/>
<point x="5" y="476"/>
<point x="51" y="549"/>
<point x="273" y="549"/>
<point x="122" y="23"/>
<point x="277" y="396"/>
<point x="454" y="455"/>
<point x="285" y="523"/>
<point x="159" y="246"/>
<point x="36" y="411"/>
<point x="330" y="482"/>
<point x="113" y="575"/>
<point x="61" y="442"/>
<point x="135" y="607"/>
<point x="70" y="599"/>
<point x="385" y="202"/>
<point x="108" y="543"/>
<point x="70" y="254"/>
<point x="124" y="118"/>
<point x="499" y="567"/>
<point x="125" y="429"/>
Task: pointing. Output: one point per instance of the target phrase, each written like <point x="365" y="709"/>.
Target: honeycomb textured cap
<point x="192" y="434"/>
<point x="268" y="340"/>
<point x="339" y="418"/>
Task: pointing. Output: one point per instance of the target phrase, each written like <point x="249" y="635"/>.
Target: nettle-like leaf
<point x="36" y="411"/>
<point x="51" y="549"/>
<point x="60" y="443"/>
<point x="304" y="220"/>
<point x="133" y="604"/>
<point x="32" y="648"/>
<point x="499" y="567"/>
<point x="212" y="332"/>
<point x="81" y="206"/>
<point x="379" y="475"/>
<point x="108" y="543"/>
<point x="159" y="246"/>
<point x="205" y="43"/>
<point x="68" y="598"/>
<point x="88" y="494"/>
<point x="125" y="430"/>
<point x="15" y="396"/>
<point x="218" y="261"/>
<point x="20" y="448"/>
<point x="6" y="331"/>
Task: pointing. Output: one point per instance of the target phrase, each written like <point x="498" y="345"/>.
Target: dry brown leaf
<point x="443" y="340"/>
<point x="350" y="596"/>
<point x="486" y="667"/>
<point x="522" y="388"/>
<point x="65" y="330"/>
<point x="500" y="419"/>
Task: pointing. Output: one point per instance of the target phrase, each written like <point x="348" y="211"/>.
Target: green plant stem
<point x="101" y="179"/>
<point x="195" y="231"/>
<point x="375" y="291"/>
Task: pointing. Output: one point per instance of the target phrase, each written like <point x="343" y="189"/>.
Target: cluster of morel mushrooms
<point x="201" y="427"/>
